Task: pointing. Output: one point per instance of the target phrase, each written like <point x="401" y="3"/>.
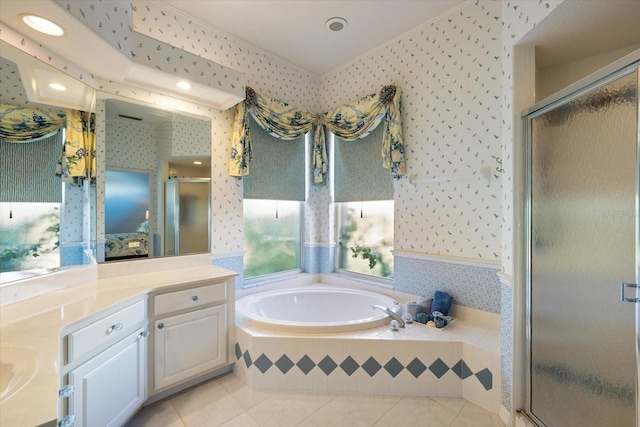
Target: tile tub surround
<point x="462" y="360"/>
<point x="35" y="324"/>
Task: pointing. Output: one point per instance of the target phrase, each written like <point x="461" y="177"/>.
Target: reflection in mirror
<point x="43" y="217"/>
<point x="157" y="185"/>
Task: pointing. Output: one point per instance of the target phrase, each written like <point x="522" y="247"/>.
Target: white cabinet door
<point x="189" y="344"/>
<point x="111" y="386"/>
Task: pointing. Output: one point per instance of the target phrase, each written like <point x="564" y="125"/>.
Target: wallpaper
<point x="110" y="20"/>
<point x="12" y="91"/>
<point x="519" y="18"/>
<point x="191" y="136"/>
<point x="448" y="70"/>
<point x="130" y="144"/>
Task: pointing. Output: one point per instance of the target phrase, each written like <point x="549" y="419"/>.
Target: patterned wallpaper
<point x="12" y="91"/>
<point x="519" y="18"/>
<point x="191" y="136"/>
<point x="110" y="20"/>
<point x="449" y="72"/>
<point x="130" y="144"/>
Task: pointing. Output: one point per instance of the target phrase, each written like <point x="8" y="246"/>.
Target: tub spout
<point x="391" y="314"/>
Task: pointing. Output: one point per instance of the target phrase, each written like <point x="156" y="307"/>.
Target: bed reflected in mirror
<point x="127" y="196"/>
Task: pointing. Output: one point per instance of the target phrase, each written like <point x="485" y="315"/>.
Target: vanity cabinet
<point x="106" y="376"/>
<point x="110" y="387"/>
<point x="190" y="333"/>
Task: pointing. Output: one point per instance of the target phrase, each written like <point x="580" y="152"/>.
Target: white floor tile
<point x="287" y="408"/>
<point x="357" y="410"/>
<point x="418" y="411"/>
<point x="474" y="416"/>
<point x="159" y="414"/>
<point x="242" y="420"/>
<point x="211" y="409"/>
<point x="228" y="402"/>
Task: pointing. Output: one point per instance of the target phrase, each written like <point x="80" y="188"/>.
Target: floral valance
<point x="78" y="158"/>
<point x="22" y="124"/>
<point x="360" y="118"/>
<point x="349" y="122"/>
<point x="276" y="117"/>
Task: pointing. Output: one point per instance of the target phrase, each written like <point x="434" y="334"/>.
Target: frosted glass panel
<point x="194" y="217"/>
<point x="187" y="216"/>
<point x="583" y="245"/>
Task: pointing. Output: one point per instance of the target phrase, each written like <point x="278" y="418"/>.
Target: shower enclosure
<point x="583" y="257"/>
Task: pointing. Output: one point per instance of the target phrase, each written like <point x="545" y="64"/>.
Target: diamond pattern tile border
<point x="371" y="366"/>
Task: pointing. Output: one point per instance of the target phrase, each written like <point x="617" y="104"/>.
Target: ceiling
<point x="295" y="30"/>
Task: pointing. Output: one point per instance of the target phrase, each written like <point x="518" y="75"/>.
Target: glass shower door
<point x="583" y="244"/>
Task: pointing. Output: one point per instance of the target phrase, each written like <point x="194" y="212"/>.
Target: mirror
<point x="45" y="224"/>
<point x="157" y="182"/>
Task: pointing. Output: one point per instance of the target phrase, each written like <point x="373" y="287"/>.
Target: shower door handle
<point x="623" y="286"/>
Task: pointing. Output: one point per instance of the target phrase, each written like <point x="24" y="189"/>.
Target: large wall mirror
<point x="45" y="223"/>
<point x="157" y="185"/>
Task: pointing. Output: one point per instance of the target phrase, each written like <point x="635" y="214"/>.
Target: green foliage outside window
<point x="272" y="243"/>
<point x="366" y="237"/>
<point x="29" y="241"/>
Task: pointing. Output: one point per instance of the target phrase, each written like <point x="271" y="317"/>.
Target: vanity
<point x="93" y="353"/>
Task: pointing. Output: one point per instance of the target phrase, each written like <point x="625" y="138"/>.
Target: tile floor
<point x="227" y="401"/>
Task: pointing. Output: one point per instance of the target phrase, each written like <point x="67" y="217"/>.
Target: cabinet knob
<point x="116" y="327"/>
<point x="160" y="325"/>
<point x="143" y="334"/>
<point x="195" y="297"/>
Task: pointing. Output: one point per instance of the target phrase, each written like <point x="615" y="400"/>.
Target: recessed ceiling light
<point x="336" y="24"/>
<point x="197" y="162"/>
<point x="57" y="86"/>
<point x="42" y="25"/>
<point x="183" y="85"/>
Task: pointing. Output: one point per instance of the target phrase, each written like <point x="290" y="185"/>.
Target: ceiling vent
<point x="336" y="24"/>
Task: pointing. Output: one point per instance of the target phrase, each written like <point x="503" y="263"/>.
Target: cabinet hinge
<point x="67" y="421"/>
<point x="67" y="390"/>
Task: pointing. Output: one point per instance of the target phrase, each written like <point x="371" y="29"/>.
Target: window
<point x="29" y="236"/>
<point x="271" y="236"/>
<point x="363" y="192"/>
<point x="365" y="237"/>
<point x="274" y="193"/>
<point x="30" y="205"/>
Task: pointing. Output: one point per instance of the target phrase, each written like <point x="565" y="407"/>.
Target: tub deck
<point x="461" y="360"/>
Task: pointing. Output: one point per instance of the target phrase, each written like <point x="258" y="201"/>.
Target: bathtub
<point x="314" y="309"/>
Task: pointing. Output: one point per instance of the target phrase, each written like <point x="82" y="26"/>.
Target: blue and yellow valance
<point x="349" y="122"/>
<point x="26" y="124"/>
<point x="78" y="159"/>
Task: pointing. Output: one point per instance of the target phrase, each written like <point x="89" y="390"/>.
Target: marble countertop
<point x="30" y="330"/>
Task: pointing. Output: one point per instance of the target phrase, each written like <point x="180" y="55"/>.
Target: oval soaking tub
<point x="314" y="309"/>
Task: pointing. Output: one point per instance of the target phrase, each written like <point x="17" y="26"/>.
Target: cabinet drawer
<point x="189" y="298"/>
<point x="105" y="329"/>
